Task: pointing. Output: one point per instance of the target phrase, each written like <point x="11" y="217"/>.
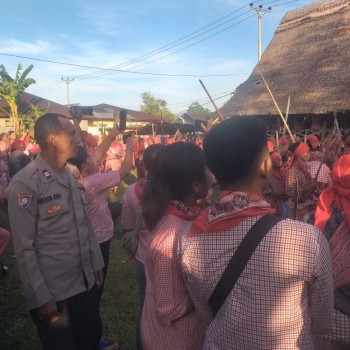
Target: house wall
<point x="6" y="125"/>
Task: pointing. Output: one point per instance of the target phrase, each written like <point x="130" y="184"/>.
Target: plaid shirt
<point x="283" y="298"/>
<point x="169" y="320"/>
<point x="324" y="174"/>
<point x="294" y="176"/>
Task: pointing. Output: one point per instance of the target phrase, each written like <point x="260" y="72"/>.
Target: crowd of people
<point x="288" y="290"/>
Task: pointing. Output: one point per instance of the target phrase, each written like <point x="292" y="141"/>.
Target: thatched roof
<point x="308" y="58"/>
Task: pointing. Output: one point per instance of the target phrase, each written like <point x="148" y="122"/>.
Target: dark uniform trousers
<point x="79" y="326"/>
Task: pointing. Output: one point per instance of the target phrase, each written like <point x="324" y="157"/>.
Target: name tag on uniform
<point x="54" y="209"/>
<point x="49" y="198"/>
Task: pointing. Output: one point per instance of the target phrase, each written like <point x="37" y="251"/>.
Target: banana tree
<point x="10" y="90"/>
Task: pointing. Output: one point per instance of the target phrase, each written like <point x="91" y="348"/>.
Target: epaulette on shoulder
<point x="26" y="173"/>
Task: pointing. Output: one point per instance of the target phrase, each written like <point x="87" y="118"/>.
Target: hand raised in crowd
<point x="128" y="162"/>
<point x="114" y="132"/>
<point x="131" y="141"/>
<point x="208" y="127"/>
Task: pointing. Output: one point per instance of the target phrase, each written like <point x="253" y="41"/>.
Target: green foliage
<point x="12" y="88"/>
<point x="196" y="107"/>
<point x="156" y="106"/>
<point x="31" y="114"/>
<point x="10" y="91"/>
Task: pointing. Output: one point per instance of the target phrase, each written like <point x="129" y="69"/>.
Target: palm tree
<point x="10" y="90"/>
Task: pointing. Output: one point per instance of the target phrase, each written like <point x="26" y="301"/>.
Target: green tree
<point x="156" y="106"/>
<point x="196" y="107"/>
<point x="10" y="91"/>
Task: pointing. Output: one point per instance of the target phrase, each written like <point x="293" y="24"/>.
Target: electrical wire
<point x="170" y="46"/>
<point x="113" y="70"/>
<point x="177" y="42"/>
<point x="118" y="70"/>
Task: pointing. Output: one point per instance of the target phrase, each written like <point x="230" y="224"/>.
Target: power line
<point x="173" y="53"/>
<point x="210" y="36"/>
<point x="199" y="100"/>
<point x="171" y="45"/>
<point x="202" y="101"/>
<point x="154" y="74"/>
<point x="209" y="102"/>
<point x="197" y="42"/>
<point x="50" y="86"/>
<point x="182" y="49"/>
<point x="181" y="41"/>
<point x="113" y="70"/>
<point x="119" y="70"/>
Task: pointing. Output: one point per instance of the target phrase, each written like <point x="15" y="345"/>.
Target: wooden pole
<point x="287" y="114"/>
<point x="336" y="123"/>
<point x="324" y="126"/>
<point x="212" y="101"/>
<point x="278" y="109"/>
<point x="325" y="153"/>
<point x="296" y="199"/>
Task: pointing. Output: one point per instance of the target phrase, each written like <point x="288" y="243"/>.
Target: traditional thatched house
<point x="308" y="59"/>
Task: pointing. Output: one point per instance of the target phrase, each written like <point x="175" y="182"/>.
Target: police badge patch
<point x="46" y="174"/>
<point x="24" y="199"/>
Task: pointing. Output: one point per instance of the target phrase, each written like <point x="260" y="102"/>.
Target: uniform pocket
<point x="53" y="217"/>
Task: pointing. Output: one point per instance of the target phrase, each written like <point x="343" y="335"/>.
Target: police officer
<point x="59" y="260"/>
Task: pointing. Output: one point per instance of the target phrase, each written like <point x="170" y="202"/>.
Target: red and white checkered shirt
<point x="296" y="176"/>
<point x="283" y="298"/>
<point x="169" y="320"/>
<point x="324" y="174"/>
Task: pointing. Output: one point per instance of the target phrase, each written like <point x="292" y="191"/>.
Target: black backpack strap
<point x="240" y="259"/>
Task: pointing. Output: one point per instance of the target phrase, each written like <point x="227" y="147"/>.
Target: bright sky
<point x="124" y="35"/>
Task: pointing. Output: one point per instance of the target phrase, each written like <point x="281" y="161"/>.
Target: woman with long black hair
<point x="179" y="178"/>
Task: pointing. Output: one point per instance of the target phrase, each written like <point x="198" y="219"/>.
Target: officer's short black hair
<point x="234" y="147"/>
<point x="45" y="125"/>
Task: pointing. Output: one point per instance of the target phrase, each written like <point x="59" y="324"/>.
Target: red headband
<point x="301" y="149"/>
<point x="275" y="156"/>
<point x="270" y="145"/>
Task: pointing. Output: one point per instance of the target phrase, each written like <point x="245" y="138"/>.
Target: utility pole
<point x="260" y="11"/>
<point x="161" y="119"/>
<point x="68" y="81"/>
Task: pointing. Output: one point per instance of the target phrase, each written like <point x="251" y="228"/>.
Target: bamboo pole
<point x="336" y="123"/>
<point x="278" y="109"/>
<point x="325" y="153"/>
<point x="296" y="199"/>
<point x="287" y="114"/>
<point x="212" y="101"/>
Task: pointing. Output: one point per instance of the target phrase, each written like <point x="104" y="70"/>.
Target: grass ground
<point x="118" y="305"/>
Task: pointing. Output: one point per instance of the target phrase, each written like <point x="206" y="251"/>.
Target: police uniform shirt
<point x="56" y="249"/>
